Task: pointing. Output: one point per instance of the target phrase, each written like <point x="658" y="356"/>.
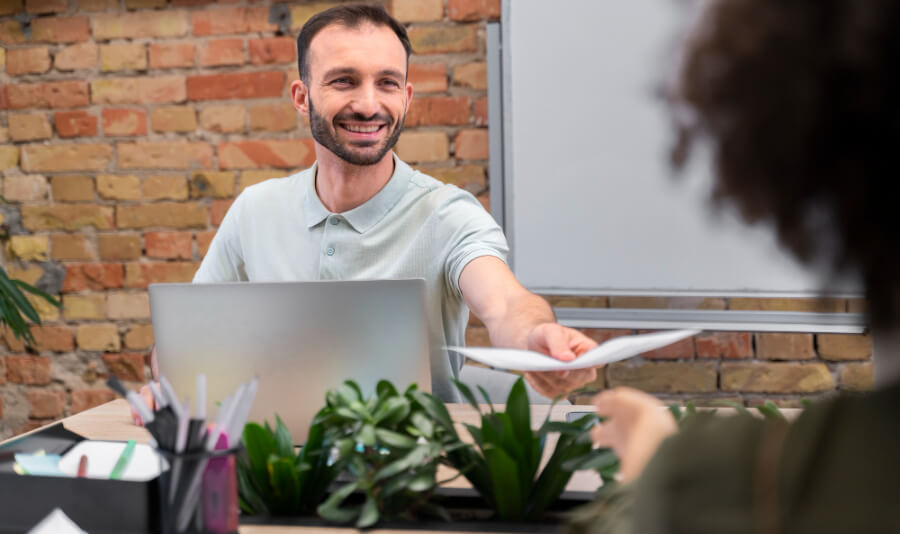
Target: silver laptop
<point x="299" y="338"/>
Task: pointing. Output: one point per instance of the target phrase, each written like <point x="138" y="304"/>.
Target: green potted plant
<point x="390" y="447"/>
<point x="273" y="479"/>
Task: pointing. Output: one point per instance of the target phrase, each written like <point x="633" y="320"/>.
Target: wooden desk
<point x="112" y="421"/>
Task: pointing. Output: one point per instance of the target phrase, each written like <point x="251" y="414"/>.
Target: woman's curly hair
<point x="801" y="102"/>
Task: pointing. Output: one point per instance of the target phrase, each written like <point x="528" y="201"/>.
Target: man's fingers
<point x="147" y="397"/>
<point x="557" y="340"/>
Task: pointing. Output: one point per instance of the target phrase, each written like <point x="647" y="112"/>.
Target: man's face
<point x="357" y="94"/>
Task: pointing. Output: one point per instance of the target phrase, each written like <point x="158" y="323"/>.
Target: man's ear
<point x="409" y="95"/>
<point x="300" y="97"/>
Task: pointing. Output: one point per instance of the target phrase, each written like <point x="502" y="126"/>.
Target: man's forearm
<point x="522" y="313"/>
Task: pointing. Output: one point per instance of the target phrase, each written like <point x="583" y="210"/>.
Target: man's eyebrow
<point x="339" y="70"/>
<point x="391" y="72"/>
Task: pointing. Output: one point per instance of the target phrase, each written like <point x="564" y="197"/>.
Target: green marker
<point x="123" y="460"/>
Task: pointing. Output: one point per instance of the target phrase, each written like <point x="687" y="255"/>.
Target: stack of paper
<point x="613" y="350"/>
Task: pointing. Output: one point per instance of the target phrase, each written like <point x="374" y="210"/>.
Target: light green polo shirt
<point x="415" y="227"/>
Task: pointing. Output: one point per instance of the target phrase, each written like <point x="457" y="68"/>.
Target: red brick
<point x="468" y="10"/>
<point x="85" y="399"/>
<point x="127" y="366"/>
<point x="76" y="57"/>
<point x="163" y="23"/>
<point x="40" y="7"/>
<point x="4" y="97"/>
<point x="34" y="60"/>
<point x="11" y="32"/>
<point x="471" y="144"/>
<point x="67" y="94"/>
<point x="223" y="118"/>
<point x="174" y="119"/>
<point x="217" y="211"/>
<point x="171" y="55"/>
<point x="293" y="153"/>
<point x="730" y="345"/>
<point x="444" y="39"/>
<point x="75" y="124"/>
<point x="680" y="350"/>
<point x="46" y="404"/>
<point x="220" y="52"/>
<point x="66" y="157"/>
<point x="472" y="75"/>
<point x="417" y="10"/>
<point x="56" y="338"/>
<point x="779" y="377"/>
<point x="26" y="369"/>
<point x="60" y="29"/>
<point x="144" y="274"/>
<point x="161" y="89"/>
<point x="235" y="85"/>
<point x="428" y="77"/>
<point x="169" y="245"/>
<point x="231" y="20"/>
<point x="438" y="111"/>
<point x="124" y="122"/>
<point x="481" y="111"/>
<point x="203" y="241"/>
<point x="423" y="146"/>
<point x="278" y="117"/>
<point x="273" y="50"/>
<point x="96" y="276"/>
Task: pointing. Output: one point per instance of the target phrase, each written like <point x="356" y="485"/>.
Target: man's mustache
<point x="359" y="117"/>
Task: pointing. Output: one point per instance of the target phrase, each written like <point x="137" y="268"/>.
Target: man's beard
<point x="327" y="136"/>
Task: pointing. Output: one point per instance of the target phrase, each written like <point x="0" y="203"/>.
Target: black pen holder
<point x="198" y="492"/>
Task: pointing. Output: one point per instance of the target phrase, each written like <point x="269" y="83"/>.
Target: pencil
<point x="123" y="460"/>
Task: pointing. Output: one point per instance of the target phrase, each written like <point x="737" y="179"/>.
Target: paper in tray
<point x="615" y="349"/>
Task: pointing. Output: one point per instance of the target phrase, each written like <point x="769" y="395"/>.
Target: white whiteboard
<point x="590" y="202"/>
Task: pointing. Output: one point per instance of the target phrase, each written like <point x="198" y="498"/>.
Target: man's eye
<point x="391" y="83"/>
<point x="341" y="81"/>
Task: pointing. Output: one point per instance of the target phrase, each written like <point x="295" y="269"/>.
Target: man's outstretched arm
<point x="517" y="318"/>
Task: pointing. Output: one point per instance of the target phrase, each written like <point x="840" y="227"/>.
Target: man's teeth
<point x="362" y="129"/>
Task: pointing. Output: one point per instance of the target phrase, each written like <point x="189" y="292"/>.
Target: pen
<point x="82" y="466"/>
<point x="123" y="460"/>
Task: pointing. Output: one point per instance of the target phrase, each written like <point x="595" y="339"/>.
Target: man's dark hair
<point x="350" y="16"/>
<point x="801" y="100"/>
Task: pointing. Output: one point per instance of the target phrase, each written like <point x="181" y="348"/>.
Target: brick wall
<point x="128" y="126"/>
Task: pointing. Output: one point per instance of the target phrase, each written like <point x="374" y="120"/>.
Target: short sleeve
<point x="469" y="232"/>
<point x="224" y="261"/>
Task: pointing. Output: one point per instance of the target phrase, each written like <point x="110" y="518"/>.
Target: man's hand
<point x="635" y="424"/>
<point x="564" y="344"/>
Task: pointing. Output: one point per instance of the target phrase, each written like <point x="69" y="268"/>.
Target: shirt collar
<point x="366" y="215"/>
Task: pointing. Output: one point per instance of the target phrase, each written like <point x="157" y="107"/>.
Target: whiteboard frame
<point x="502" y="190"/>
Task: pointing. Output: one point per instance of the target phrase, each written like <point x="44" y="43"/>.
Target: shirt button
<point x="335" y="220"/>
<point x="329" y="251"/>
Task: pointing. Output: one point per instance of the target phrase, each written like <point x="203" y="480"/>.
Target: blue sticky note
<point x="40" y="464"/>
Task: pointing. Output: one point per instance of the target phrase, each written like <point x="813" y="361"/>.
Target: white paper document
<point x="615" y="349"/>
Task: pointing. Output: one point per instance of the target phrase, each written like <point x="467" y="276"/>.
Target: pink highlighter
<point x="220" y="499"/>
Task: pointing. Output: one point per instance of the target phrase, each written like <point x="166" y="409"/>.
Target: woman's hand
<point x="634" y="425"/>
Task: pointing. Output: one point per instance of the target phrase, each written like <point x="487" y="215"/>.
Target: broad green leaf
<point x="368" y="516"/>
<point x="349" y="392"/>
<point x="330" y="510"/>
<point x="347" y="413"/>
<point x="367" y="435"/>
<point x="676" y="412"/>
<point x="385" y="389"/>
<point x="596" y="460"/>
<point x="423" y="424"/>
<point x="13" y="293"/>
<point x="284" y="443"/>
<point x="252" y="501"/>
<point x="392" y="411"/>
<point x="436" y="409"/>
<point x="394" y="439"/>
<point x="259" y="444"/>
<point x="771" y="412"/>
<point x="424" y="480"/>
<point x="286" y="486"/>
<point x="360" y="408"/>
<point x="475" y="432"/>
<point x="553" y="479"/>
<point x="413" y="458"/>
<point x="505" y="481"/>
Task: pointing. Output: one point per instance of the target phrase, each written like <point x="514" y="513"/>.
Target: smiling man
<point x="360" y="212"/>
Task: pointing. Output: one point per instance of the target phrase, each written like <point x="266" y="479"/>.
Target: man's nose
<point x="365" y="101"/>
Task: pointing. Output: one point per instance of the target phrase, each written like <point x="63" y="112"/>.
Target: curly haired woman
<point x="800" y="100"/>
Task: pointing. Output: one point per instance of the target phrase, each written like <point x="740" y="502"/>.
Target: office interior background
<point x="127" y="127"/>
